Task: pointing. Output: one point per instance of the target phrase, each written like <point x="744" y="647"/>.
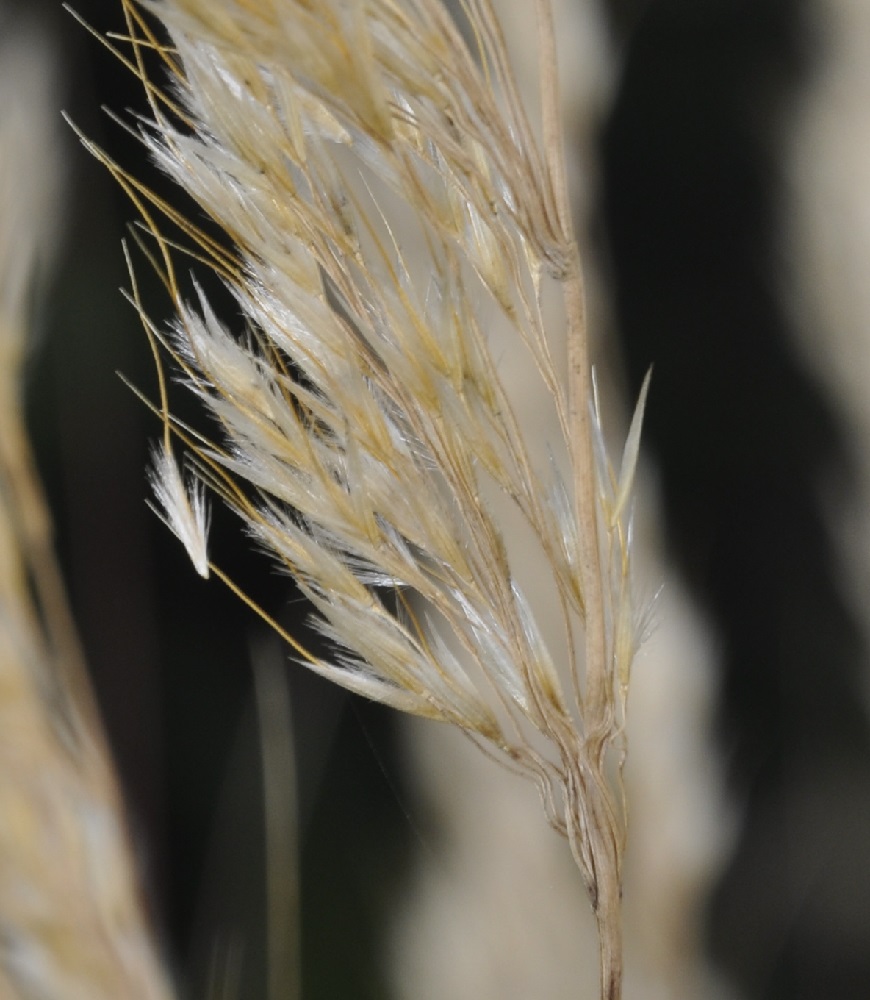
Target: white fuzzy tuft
<point x="182" y="507"/>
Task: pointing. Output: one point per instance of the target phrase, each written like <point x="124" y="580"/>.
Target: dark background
<point x="689" y="209"/>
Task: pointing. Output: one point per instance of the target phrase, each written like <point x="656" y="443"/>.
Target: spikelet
<point x="71" y="922"/>
<point x="181" y="508"/>
<point x="362" y="418"/>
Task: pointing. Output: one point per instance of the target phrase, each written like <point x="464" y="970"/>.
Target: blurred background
<point x="724" y="171"/>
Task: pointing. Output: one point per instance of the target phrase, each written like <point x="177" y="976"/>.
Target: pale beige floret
<point x="182" y="507"/>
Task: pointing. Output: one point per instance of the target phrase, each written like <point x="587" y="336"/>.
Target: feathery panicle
<point x="362" y="417"/>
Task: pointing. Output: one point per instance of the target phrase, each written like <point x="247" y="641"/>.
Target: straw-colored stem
<point x="598" y="695"/>
<point x="608" y="895"/>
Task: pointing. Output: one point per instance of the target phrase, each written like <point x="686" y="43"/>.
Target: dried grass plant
<point x="72" y="925"/>
<point x="358" y="419"/>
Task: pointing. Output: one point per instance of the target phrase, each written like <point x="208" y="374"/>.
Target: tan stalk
<point x="606" y="881"/>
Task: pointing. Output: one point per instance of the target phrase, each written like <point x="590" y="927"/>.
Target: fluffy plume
<point x="362" y="416"/>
